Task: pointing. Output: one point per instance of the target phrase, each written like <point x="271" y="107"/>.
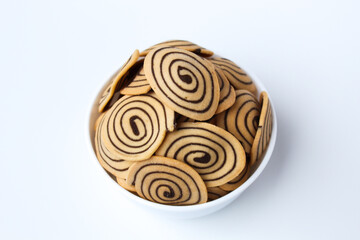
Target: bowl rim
<point x="218" y="202"/>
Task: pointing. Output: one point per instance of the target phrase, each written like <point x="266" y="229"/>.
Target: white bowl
<point x="182" y="212"/>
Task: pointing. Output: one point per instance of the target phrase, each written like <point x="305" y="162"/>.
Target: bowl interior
<point x="90" y="131"/>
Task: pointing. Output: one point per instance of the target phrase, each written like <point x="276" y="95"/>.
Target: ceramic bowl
<point x="183" y="212"/>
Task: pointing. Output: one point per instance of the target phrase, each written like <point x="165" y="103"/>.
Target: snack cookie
<point x="227" y="92"/>
<point x="179" y="126"/>
<point x="135" y="126"/>
<point x="241" y="119"/>
<point x="111" y="162"/>
<point x="137" y="84"/>
<point x="180" y="119"/>
<point x="236" y="76"/>
<point x="167" y="181"/>
<point x="186" y="45"/>
<point x="238" y="181"/>
<point x="122" y="182"/>
<point x="117" y="81"/>
<point x="213" y="152"/>
<point x="184" y="81"/>
<point x="98" y="120"/>
<point x="264" y="130"/>
<point x="215" y="193"/>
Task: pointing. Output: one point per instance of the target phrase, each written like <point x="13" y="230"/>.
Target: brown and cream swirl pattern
<point x="182" y="44"/>
<point x="241" y="119"/>
<point x="215" y="193"/>
<point x="227" y="92"/>
<point x="238" y="181"/>
<point x="213" y="152"/>
<point x="263" y="134"/>
<point x="116" y="81"/>
<point x="186" y="82"/>
<point x="236" y="76"/>
<point x="111" y="162"/>
<point x="167" y="181"/>
<point x="136" y="126"/>
<point x="137" y="84"/>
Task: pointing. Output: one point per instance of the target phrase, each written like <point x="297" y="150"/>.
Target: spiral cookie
<point x="122" y="182"/>
<point x="186" y="45"/>
<point x="117" y="81"/>
<point x="108" y="160"/>
<point x="238" y="181"/>
<point x="215" y="193"/>
<point x="135" y="126"/>
<point x="241" y="119"/>
<point x="213" y="152"/>
<point x="137" y="84"/>
<point x="181" y="119"/>
<point x="167" y="181"/>
<point x="184" y="81"/>
<point x="178" y="126"/>
<point x="236" y="76"/>
<point x="264" y="130"/>
<point x="98" y="120"/>
<point x="227" y="92"/>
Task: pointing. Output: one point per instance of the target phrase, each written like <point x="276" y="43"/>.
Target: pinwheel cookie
<point x="178" y="126"/>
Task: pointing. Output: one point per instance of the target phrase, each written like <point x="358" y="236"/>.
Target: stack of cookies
<point x="178" y="126"/>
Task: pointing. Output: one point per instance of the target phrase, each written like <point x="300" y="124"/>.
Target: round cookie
<point x="180" y="118"/>
<point x="213" y="152"/>
<point x="186" y="45"/>
<point x="137" y="84"/>
<point x="111" y="162"/>
<point x="184" y="81"/>
<point x="264" y="130"/>
<point x="215" y="193"/>
<point x="97" y="122"/>
<point x="241" y="119"/>
<point x="238" y="181"/>
<point x="117" y="81"/>
<point x="167" y="181"/>
<point x="135" y="126"/>
<point x="106" y="92"/>
<point x="227" y="92"/>
<point x="236" y="76"/>
<point x="122" y="182"/>
<point x="113" y="100"/>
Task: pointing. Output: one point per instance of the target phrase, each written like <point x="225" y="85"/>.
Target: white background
<point x="55" y="54"/>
